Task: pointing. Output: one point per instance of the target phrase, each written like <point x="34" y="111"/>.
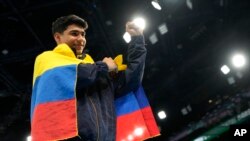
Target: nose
<point x="81" y="39"/>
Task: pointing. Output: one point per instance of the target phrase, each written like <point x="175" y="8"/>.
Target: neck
<point x="78" y="54"/>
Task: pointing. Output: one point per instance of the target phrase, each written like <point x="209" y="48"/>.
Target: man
<point x="73" y="96"/>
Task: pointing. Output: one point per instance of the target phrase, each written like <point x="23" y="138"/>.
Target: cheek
<point x="71" y="40"/>
<point x="65" y="40"/>
<point x="84" y="40"/>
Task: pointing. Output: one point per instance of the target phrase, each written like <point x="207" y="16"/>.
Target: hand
<point x="133" y="30"/>
<point x="110" y="63"/>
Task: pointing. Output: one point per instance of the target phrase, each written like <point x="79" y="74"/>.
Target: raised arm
<point x="136" y="56"/>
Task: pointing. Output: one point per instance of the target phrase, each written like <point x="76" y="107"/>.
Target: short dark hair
<point x="61" y="24"/>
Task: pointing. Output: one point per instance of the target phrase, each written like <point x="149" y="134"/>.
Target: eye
<point x="83" y="34"/>
<point x="74" y="33"/>
<point x="77" y="33"/>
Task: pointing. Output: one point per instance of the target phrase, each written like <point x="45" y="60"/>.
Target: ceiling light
<point x="189" y="4"/>
<point x="184" y="111"/>
<point x="238" y="60"/>
<point x="189" y="108"/>
<point x="156" y="4"/>
<point x="163" y="29"/>
<point x="162" y="115"/>
<point x="109" y="23"/>
<point x="210" y="101"/>
<point x="5" y="52"/>
<point x="225" y="69"/>
<point x="153" y="38"/>
<point x="231" y="80"/>
<point x="127" y="37"/>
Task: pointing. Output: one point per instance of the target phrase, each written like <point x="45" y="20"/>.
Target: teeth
<point x="78" y="47"/>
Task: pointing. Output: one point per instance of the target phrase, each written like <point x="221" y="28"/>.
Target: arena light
<point x="163" y="28"/>
<point x="231" y="80"/>
<point x="239" y="60"/>
<point x="189" y="4"/>
<point x="156" y="4"/>
<point x="153" y="38"/>
<point x="162" y="115"/>
<point x="225" y="69"/>
<point x="127" y="37"/>
<point x="5" y="52"/>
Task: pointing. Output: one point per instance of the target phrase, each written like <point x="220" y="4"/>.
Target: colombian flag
<point x="53" y="104"/>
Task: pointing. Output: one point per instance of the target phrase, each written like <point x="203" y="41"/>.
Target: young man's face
<point x="73" y="36"/>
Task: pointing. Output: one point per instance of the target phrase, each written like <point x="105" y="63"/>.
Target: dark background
<point x="182" y="69"/>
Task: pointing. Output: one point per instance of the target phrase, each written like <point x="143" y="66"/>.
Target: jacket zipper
<point x="96" y="118"/>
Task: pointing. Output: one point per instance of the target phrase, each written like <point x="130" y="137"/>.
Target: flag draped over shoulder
<point x="53" y="105"/>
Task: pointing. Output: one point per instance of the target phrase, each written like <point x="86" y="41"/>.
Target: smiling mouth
<point x="79" y="48"/>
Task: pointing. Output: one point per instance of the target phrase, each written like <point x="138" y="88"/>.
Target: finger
<point x="130" y="25"/>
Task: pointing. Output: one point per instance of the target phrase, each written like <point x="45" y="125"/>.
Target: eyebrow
<point x="83" y="32"/>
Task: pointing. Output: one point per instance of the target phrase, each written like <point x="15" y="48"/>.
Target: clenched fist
<point x="133" y="30"/>
<point x="110" y="63"/>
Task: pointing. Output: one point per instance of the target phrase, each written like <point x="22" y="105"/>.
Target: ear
<point x="57" y="37"/>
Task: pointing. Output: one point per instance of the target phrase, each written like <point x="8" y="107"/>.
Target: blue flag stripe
<point x="60" y="87"/>
<point x="131" y="102"/>
<point x="126" y="104"/>
<point x="141" y="97"/>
